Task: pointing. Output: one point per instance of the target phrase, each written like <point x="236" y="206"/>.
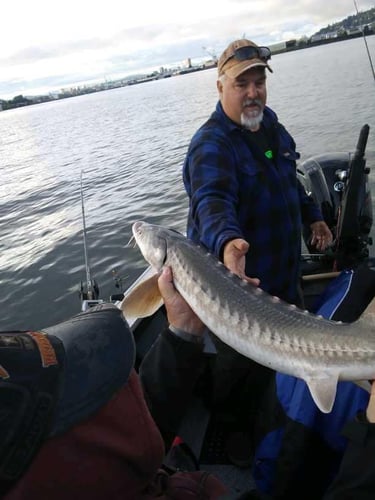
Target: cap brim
<point x="99" y="356"/>
<point x="242" y="66"/>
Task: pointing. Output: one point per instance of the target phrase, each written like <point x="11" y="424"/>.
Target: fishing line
<point x="365" y="40"/>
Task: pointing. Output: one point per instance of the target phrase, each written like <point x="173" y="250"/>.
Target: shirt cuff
<point x="188" y="337"/>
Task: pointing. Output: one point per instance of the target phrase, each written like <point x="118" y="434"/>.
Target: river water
<point x="130" y="144"/>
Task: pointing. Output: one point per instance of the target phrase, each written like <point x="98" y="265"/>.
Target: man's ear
<point x="219" y="86"/>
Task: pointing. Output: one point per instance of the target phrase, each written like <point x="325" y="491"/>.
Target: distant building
<point x="277" y="47"/>
<point x="353" y="31"/>
<point x="211" y="63"/>
<point x="324" y="36"/>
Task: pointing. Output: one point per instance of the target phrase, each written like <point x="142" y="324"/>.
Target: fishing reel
<point x="89" y="294"/>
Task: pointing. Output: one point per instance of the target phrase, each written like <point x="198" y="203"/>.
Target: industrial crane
<point x="211" y="53"/>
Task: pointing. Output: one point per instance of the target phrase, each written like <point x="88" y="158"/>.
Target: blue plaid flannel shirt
<point x="232" y="194"/>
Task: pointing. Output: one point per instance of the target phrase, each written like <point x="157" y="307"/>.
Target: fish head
<point x="151" y="240"/>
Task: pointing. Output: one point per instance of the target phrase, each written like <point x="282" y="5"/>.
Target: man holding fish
<point x="246" y="203"/>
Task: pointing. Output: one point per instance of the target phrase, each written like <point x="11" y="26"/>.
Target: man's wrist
<point x="184" y="335"/>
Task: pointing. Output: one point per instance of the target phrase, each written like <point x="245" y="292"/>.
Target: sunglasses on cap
<point x="250" y="52"/>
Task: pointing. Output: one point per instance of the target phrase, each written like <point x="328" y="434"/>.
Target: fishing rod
<point x="92" y="290"/>
<point x="365" y="40"/>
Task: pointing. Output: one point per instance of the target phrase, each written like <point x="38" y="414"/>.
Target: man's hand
<point x="321" y="235"/>
<point x="234" y="258"/>
<point x="179" y="313"/>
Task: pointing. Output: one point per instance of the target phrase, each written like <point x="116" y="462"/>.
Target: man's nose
<point x="252" y="90"/>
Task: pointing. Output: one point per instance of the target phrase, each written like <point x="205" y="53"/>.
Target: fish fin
<point x="143" y="300"/>
<point x="323" y="391"/>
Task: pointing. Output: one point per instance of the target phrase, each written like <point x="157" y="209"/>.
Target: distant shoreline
<point x="309" y="44"/>
<point x="290" y="46"/>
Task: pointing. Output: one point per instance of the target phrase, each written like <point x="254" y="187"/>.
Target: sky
<point x="47" y="45"/>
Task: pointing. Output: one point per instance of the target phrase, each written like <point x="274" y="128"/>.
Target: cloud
<point x="73" y="41"/>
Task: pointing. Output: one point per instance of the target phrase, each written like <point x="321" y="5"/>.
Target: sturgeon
<point x="257" y="325"/>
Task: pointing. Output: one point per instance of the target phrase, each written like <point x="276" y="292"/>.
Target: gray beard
<point x="251" y="122"/>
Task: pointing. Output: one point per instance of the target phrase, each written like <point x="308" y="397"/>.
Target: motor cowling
<point x="325" y="179"/>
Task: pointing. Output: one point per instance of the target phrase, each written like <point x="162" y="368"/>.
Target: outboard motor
<point x="338" y="182"/>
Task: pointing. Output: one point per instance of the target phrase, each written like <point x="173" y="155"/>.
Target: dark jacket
<point x="236" y="191"/>
<point x="356" y="477"/>
<point x="169" y="373"/>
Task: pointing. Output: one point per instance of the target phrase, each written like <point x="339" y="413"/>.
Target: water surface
<point x="130" y="143"/>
